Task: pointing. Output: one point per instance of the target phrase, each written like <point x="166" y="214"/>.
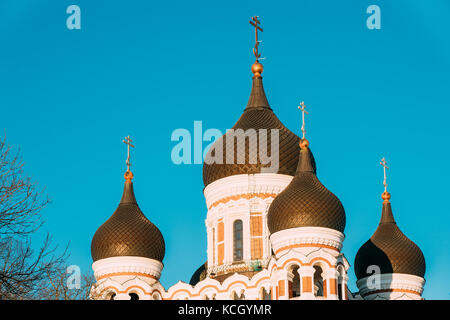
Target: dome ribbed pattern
<point x="128" y="233"/>
<point x="389" y="249"/>
<point x="306" y="202"/>
<point x="198" y="275"/>
<point x="257" y="115"/>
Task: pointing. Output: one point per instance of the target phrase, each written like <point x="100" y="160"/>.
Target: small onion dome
<point x="257" y="115"/>
<point x="389" y="249"/>
<point x="306" y="202"/>
<point x="198" y="275"/>
<point x="128" y="232"/>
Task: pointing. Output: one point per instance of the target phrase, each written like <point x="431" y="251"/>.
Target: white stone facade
<point x="118" y="277"/>
<point x="238" y="198"/>
<point x="391" y="286"/>
<point x="298" y="263"/>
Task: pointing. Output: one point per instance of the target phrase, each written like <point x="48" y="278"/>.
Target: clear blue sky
<point x="146" y="68"/>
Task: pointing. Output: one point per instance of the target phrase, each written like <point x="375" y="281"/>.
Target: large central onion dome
<point x="389" y="249"/>
<point x="305" y="202"/>
<point x="257" y="115"/>
<point x="128" y="232"/>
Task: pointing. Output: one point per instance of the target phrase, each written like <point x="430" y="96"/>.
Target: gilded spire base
<point x="257" y="69"/>
<point x="386" y="196"/>
<point x="128" y="176"/>
<point x="304" y="144"/>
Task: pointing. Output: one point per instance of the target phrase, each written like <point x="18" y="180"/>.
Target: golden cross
<point x="302" y="107"/>
<point x="384" y="165"/>
<point x="256" y="23"/>
<point x="128" y="141"/>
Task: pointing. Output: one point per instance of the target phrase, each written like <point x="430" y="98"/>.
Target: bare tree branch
<point x="20" y="199"/>
<point x="25" y="273"/>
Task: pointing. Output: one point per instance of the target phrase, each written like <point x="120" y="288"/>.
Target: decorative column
<point x="267" y="250"/>
<point x="331" y="287"/>
<point x="300" y="282"/>
<point x="246" y="250"/>
<point x="209" y="247"/>
<point x="273" y="292"/>
<point x="228" y="240"/>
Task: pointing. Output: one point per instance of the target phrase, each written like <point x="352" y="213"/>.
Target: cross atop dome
<point x="256" y="24"/>
<point x="128" y="173"/>
<point x="302" y="107"/>
<point x="386" y="195"/>
<point x="257" y="68"/>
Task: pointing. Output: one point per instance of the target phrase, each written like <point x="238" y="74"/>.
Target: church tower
<point x="389" y="265"/>
<point x="128" y="251"/>
<point x="240" y="183"/>
<point x="306" y="224"/>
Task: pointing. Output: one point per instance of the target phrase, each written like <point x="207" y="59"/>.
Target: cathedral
<point x="271" y="234"/>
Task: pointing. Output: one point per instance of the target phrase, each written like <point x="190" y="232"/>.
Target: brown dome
<point x="198" y="275"/>
<point x="128" y="232"/>
<point x="257" y="115"/>
<point x="389" y="249"/>
<point x="305" y="202"/>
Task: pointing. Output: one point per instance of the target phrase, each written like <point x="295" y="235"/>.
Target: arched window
<point x="318" y="282"/>
<point x="265" y="294"/>
<point x="111" y="296"/>
<point x="294" y="284"/>
<point x="236" y="296"/>
<point x="156" y="296"/>
<point x="238" y="254"/>
<point x="133" y="296"/>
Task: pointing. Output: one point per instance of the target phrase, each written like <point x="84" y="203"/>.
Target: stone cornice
<point x="244" y="184"/>
<point x="390" y="282"/>
<point x="127" y="265"/>
<point x="304" y="236"/>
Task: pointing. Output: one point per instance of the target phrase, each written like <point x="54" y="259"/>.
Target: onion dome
<point x="198" y="275"/>
<point x="128" y="232"/>
<point x="389" y="249"/>
<point x="305" y="202"/>
<point x="257" y="115"/>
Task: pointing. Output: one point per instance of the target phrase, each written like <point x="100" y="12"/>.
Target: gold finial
<point x="257" y="68"/>
<point x="386" y="195"/>
<point x="128" y="174"/>
<point x="304" y="144"/>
